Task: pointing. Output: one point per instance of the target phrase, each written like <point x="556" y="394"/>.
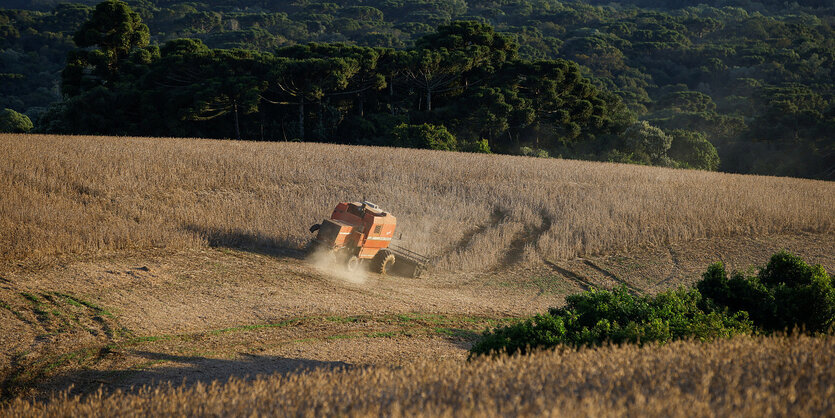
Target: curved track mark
<point x="675" y="266"/>
<point x="581" y="281"/>
<point x="495" y="219"/>
<point x="633" y="289"/>
<point x="516" y="248"/>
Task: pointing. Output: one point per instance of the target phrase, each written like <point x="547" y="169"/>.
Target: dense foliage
<point x="752" y="79"/>
<point x="595" y="317"/>
<point x="13" y="122"/>
<point x="785" y="295"/>
<point x="454" y="88"/>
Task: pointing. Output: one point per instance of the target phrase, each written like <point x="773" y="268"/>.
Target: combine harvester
<point x="359" y="233"/>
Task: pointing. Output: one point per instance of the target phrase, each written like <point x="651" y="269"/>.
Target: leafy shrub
<point x="785" y="294"/>
<point x="641" y="137"/>
<point x="480" y="146"/>
<point x="14" y="122"/>
<point x="692" y="150"/>
<point x="534" y="152"/>
<point x="600" y="316"/>
<point x="424" y="136"/>
<point x="616" y="156"/>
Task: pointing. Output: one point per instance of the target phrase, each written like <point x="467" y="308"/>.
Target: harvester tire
<point x="331" y="257"/>
<point x="385" y="263"/>
<point x="353" y="263"/>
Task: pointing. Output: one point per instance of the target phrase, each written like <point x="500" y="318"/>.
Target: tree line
<point x="463" y="87"/>
<point x="752" y="78"/>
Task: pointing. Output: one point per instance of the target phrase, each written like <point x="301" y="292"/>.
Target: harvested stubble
<point x="745" y="376"/>
<point x="70" y="194"/>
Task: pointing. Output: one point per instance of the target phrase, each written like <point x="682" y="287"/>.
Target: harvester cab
<point x="359" y="233"/>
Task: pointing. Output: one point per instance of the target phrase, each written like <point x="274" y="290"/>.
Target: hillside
<point x="468" y="212"/>
<point x="126" y="261"/>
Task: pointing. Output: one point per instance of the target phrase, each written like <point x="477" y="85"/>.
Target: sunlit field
<point x="77" y="195"/>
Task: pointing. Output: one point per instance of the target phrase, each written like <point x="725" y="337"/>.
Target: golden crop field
<point x="79" y="195"/>
<point x="745" y="376"/>
<point x="86" y="299"/>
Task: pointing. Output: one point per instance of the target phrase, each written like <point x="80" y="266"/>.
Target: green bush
<point x="435" y="137"/>
<point x="785" y="294"/>
<point x="643" y="138"/>
<point x="534" y="152"/>
<point x="692" y="150"/>
<point x="596" y="317"/>
<point x="480" y="146"/>
<point x="13" y="122"/>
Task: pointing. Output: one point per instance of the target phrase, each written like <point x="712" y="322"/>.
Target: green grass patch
<point x="440" y="320"/>
<point x="62" y="360"/>
<point x="546" y="284"/>
<point x="550" y="284"/>
<point x="255" y="327"/>
<point x="342" y="319"/>
<point x="37" y="306"/>
<point x="50" y="363"/>
<point x="342" y="336"/>
<point x="76" y="301"/>
<point x="424" y="318"/>
<point x="14" y="312"/>
<point x="70" y="301"/>
<point x="30" y="297"/>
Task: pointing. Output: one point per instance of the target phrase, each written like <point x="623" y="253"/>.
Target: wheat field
<point x="86" y="195"/>
<point x="745" y="376"/>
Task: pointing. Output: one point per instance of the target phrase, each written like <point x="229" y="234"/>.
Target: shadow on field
<point x="246" y="241"/>
<point x="159" y="369"/>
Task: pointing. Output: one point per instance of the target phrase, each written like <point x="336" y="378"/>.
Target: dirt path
<point x="291" y="346"/>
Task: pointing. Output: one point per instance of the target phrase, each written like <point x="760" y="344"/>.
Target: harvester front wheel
<point x="385" y="263"/>
<point x="353" y="263"/>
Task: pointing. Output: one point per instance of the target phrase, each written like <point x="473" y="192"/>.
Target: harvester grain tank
<point x="360" y="233"/>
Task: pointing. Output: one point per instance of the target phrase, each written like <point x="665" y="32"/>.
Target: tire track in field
<point x="495" y="219"/>
<point x="632" y="289"/>
<point x="516" y="249"/>
<point x="579" y="280"/>
<point x="674" y="259"/>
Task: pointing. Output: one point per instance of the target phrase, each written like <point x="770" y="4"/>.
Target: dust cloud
<point x="328" y="263"/>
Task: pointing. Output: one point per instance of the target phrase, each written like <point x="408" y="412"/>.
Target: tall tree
<point x="116" y="31"/>
<point x="306" y="81"/>
<point x="435" y="71"/>
<point x="457" y="56"/>
<point x="234" y="86"/>
<point x="202" y="84"/>
<point x="366" y="60"/>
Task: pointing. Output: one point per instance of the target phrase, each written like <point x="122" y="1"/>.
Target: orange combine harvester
<point x="358" y="233"/>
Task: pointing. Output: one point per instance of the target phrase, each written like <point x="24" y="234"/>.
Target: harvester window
<point x="356" y="211"/>
<point x="378" y="229"/>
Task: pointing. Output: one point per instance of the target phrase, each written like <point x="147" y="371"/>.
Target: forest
<point x="738" y="86"/>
